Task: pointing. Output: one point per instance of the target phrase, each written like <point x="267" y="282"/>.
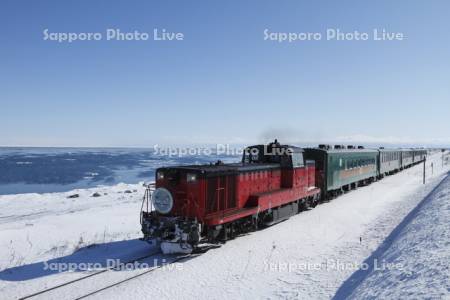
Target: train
<point x="212" y="203"/>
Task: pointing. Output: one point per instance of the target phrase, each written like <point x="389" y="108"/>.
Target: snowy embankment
<point x="414" y="261"/>
<point x="308" y="256"/>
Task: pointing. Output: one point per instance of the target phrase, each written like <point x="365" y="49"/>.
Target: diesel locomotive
<point x="217" y="201"/>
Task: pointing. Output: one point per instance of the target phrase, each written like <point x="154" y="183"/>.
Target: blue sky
<point x="223" y="83"/>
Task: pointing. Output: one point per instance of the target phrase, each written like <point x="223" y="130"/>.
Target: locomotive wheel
<point x="304" y="205"/>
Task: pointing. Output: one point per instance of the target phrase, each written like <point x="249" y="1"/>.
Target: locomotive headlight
<point x="159" y="175"/>
<point x="162" y="200"/>
<point x="191" y="177"/>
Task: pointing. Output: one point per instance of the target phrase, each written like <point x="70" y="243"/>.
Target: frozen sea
<point x="42" y="170"/>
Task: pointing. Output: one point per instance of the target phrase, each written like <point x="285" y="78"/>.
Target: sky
<point x="223" y="83"/>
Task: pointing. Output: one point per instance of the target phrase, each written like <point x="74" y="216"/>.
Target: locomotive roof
<point x="272" y="145"/>
<point x="230" y="167"/>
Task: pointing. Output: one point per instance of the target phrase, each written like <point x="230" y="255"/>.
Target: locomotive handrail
<point x="145" y="200"/>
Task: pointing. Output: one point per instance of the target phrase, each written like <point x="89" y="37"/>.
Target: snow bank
<point x="414" y="260"/>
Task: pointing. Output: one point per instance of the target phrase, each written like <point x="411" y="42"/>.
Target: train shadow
<point x="354" y="281"/>
<point x="119" y="255"/>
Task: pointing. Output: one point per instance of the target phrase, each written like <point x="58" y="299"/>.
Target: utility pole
<point x="424" y="163"/>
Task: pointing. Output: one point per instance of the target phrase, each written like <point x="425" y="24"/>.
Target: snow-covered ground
<point x="45" y="226"/>
<point x="414" y="261"/>
<point x="35" y="228"/>
<point x="309" y="256"/>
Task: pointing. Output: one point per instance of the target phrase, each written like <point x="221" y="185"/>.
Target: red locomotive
<point x="219" y="201"/>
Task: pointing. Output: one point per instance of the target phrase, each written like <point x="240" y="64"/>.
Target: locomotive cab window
<point x="292" y="160"/>
<point x="297" y="159"/>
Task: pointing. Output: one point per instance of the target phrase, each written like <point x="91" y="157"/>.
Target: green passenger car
<point x="342" y="168"/>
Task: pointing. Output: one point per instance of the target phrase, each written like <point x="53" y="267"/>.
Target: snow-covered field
<point x="310" y="256"/>
<point x="45" y="226"/>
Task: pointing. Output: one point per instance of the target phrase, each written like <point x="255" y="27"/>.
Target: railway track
<point x="131" y="277"/>
<point x="59" y="289"/>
